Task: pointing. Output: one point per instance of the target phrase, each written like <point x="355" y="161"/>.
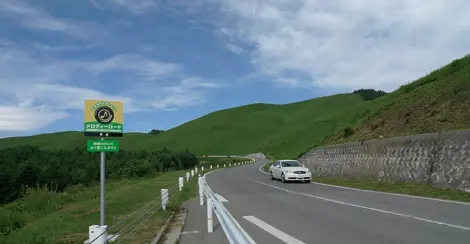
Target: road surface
<point x="273" y="212"/>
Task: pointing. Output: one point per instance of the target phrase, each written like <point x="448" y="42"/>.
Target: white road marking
<point x="191" y="232"/>
<point x="221" y="198"/>
<point x="393" y="194"/>
<point x="367" y="208"/>
<point x="273" y="231"/>
<point x="381" y="192"/>
<point x="262" y="171"/>
<point x="236" y="222"/>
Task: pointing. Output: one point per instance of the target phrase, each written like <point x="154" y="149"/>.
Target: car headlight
<point x="287" y="172"/>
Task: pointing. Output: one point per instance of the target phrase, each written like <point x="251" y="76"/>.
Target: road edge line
<point x="365" y="207"/>
<point x="381" y="192"/>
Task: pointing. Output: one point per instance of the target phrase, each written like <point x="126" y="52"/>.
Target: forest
<point x="27" y="166"/>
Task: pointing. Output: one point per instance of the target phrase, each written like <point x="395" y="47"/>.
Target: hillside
<point x="436" y="102"/>
<point x="439" y="101"/>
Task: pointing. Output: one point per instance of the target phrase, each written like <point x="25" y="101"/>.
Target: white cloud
<point x="21" y="118"/>
<point x="348" y="44"/>
<point x="60" y="48"/>
<point x="38" y="18"/>
<point x="134" y="6"/>
<point x="49" y="89"/>
<point x="134" y="62"/>
<point x="234" y="48"/>
<point x="6" y="43"/>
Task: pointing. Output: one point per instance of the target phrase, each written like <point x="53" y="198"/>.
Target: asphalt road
<point x="273" y="212"/>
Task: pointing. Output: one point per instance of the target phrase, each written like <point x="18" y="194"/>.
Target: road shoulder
<point x="195" y="226"/>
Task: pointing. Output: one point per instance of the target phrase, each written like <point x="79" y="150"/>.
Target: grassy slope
<point x="50" y="217"/>
<point x="252" y="128"/>
<point x="436" y="102"/>
<point x="64" y="218"/>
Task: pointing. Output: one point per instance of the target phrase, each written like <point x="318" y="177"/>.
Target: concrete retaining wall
<point x="441" y="159"/>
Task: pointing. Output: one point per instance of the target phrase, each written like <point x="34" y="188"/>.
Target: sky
<point x="171" y="61"/>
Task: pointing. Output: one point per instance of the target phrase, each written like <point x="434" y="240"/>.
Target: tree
<point x="369" y="94"/>
<point x="57" y="169"/>
<point x="155" y="132"/>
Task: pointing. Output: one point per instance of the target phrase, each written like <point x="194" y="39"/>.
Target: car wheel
<point x="283" y="179"/>
<point x="271" y="174"/>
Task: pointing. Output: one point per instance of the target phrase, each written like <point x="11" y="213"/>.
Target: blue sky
<point x="173" y="61"/>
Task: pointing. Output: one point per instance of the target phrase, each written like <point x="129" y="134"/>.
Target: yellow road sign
<point x="103" y="118"/>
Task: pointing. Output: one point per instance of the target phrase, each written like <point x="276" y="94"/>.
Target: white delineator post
<point x="224" y="165"/>
<point x="210" y="226"/>
<point x="201" y="190"/>
<point x="180" y="183"/>
<point x="96" y="230"/>
<point x="210" y="167"/>
<point x="192" y="173"/>
<point x="217" y="165"/>
<point x="187" y="176"/>
<point x="195" y="170"/>
<point x="165" y="198"/>
<point x="202" y="168"/>
<point x="229" y="165"/>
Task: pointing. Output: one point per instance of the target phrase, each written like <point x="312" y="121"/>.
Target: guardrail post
<point x="210" y="167"/>
<point x="180" y="183"/>
<point x="202" y="168"/>
<point x="224" y="165"/>
<point x="201" y="190"/>
<point x="96" y="230"/>
<point x="187" y="176"/>
<point x="217" y="165"/>
<point x="229" y="165"/>
<point x="210" y="226"/>
<point x="165" y="198"/>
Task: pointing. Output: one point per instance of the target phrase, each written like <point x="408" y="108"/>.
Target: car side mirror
<point x="278" y="166"/>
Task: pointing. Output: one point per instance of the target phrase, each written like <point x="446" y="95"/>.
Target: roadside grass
<point x="50" y="217"/>
<point x="43" y="216"/>
<point x="266" y="167"/>
<point x="149" y="228"/>
<point x="414" y="189"/>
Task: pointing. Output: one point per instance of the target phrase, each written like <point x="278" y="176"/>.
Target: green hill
<point x="436" y="102"/>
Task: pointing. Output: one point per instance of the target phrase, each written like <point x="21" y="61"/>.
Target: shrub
<point x="348" y="132"/>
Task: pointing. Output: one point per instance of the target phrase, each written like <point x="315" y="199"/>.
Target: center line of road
<point x="273" y="231"/>
<point x="364" y="207"/>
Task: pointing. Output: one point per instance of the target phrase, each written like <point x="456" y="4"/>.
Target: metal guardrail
<point x="100" y="234"/>
<point x="232" y="229"/>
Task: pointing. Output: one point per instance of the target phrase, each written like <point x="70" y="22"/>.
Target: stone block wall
<point x="441" y="159"/>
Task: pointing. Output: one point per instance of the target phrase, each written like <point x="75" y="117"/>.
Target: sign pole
<point x="102" y="186"/>
<point x="102" y="119"/>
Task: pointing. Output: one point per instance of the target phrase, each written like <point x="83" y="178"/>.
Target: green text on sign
<point x="103" y="146"/>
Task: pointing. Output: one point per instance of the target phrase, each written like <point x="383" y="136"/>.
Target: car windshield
<point x="291" y="164"/>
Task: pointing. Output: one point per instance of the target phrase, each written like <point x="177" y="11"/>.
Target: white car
<point x="289" y="170"/>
